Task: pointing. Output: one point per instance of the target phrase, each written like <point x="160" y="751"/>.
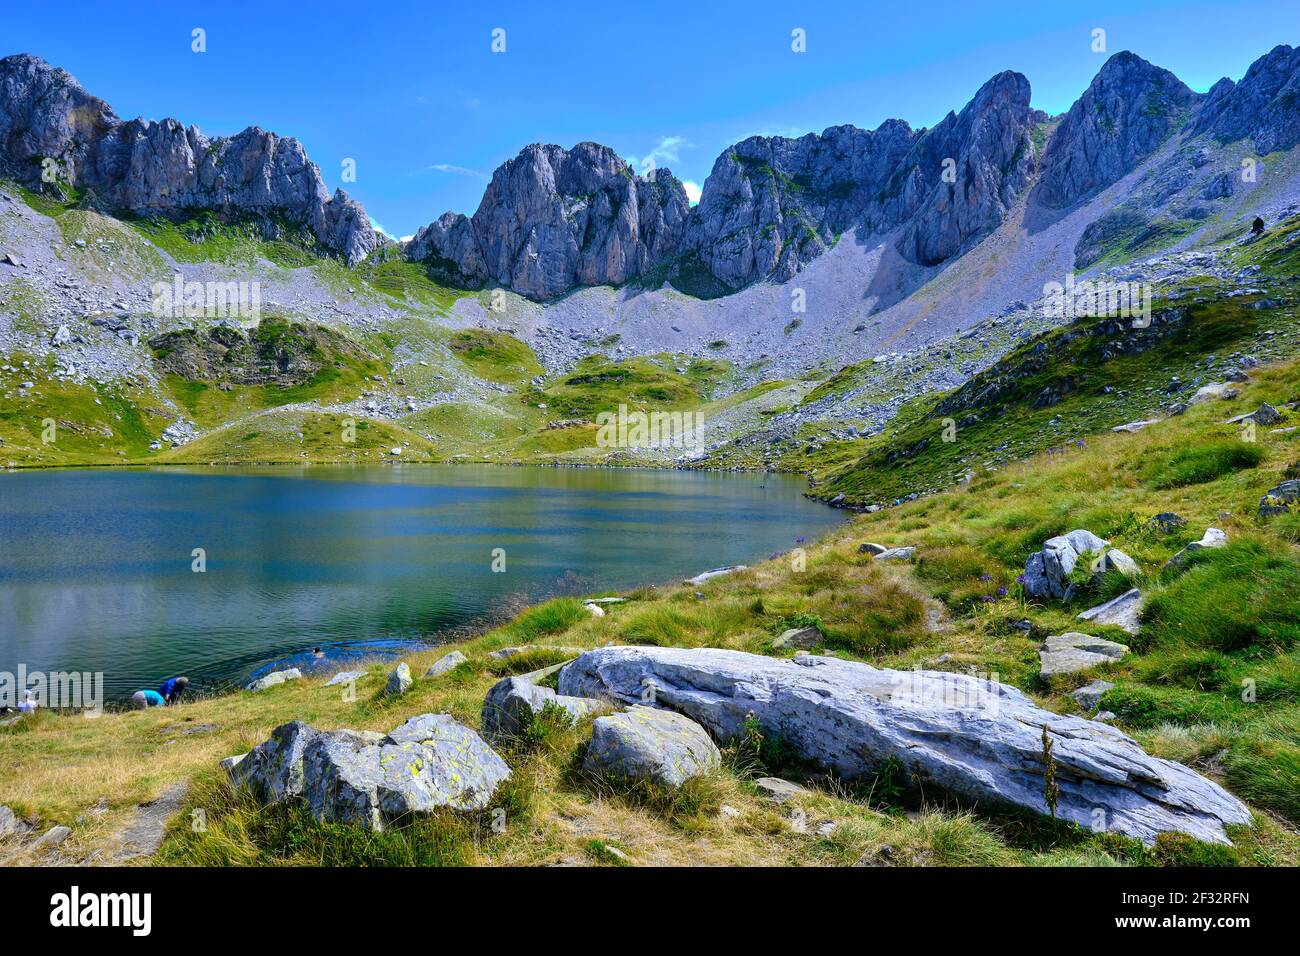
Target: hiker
<point x="28" y="706"/>
<point x="172" y="689"/>
<point x="1257" y="227"/>
<point x="142" y="699"/>
<point x="317" y="653"/>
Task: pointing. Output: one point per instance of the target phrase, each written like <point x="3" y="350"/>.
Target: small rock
<point x="871" y="548"/>
<point x="1213" y="538"/>
<point x="1134" y="426"/>
<point x="275" y="678"/>
<point x="1266" y="414"/>
<point x="1089" y="696"/>
<point x="53" y="837"/>
<point x="777" y="790"/>
<point x="1279" y="498"/>
<point x="714" y="573"/>
<point x="729" y="811"/>
<point x="399" y="681"/>
<point x="8" y="822"/>
<point x="1215" y="390"/>
<point x="595" y="610"/>
<point x="1116" y="560"/>
<point x="897" y="554"/>
<point x="1167" y="522"/>
<point x="1072" y="651"/>
<point x="446" y="663"/>
<point x="344" y="677"/>
<point x="804" y="638"/>
<point x="1121" y="612"/>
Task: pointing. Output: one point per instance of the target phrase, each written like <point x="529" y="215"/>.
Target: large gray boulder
<point x="371" y="779"/>
<point x="977" y="739"/>
<point x="1047" y="572"/>
<point x="645" y="743"/>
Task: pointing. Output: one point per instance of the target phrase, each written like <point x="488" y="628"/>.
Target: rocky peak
<point x="1128" y="110"/>
<point x="553" y="219"/>
<point x="163" y="168"/>
<point x="1264" y="106"/>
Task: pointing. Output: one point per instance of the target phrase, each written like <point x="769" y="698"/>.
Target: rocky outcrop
<point x="645" y="743"/>
<point x="554" y="219"/>
<point x="372" y="779"/>
<point x="48" y="122"/>
<point x="1128" y="110"/>
<point x="512" y="703"/>
<point x="1262" y="106"/>
<point x="772" y="204"/>
<point x="1122" y="612"/>
<point x="977" y="739"/>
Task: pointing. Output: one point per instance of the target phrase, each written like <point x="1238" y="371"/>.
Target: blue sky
<point x="414" y="94"/>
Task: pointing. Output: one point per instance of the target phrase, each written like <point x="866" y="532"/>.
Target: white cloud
<point x="665" y="152"/>
<point x="374" y="224"/>
<point x="456" y="170"/>
<point x="693" y="191"/>
<point x="407" y="238"/>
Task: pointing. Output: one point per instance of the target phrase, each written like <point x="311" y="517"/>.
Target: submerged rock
<point x="651" y="744"/>
<point x="977" y="739"/>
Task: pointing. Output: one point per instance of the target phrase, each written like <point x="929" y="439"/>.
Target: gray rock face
<point x="645" y="743"/>
<point x="1128" y="110"/>
<point x="772" y="204"/>
<point x="450" y="247"/>
<point x="1071" y="652"/>
<point x="1262" y="106"/>
<point x="1213" y="538"/>
<point x="274" y="679"/>
<point x="977" y="739"/>
<point x="553" y="219"/>
<point x="373" y="779"/>
<point x="164" y="168"/>
<point x="1047" y="571"/>
<point x="1121" y="612"/>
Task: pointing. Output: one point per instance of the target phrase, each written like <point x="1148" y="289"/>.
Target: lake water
<point x="96" y="566"/>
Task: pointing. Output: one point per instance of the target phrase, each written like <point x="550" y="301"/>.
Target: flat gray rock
<point x="1121" y="612"/>
<point x="1213" y="538"/>
<point x="712" y="573"/>
<point x="976" y="739"/>
<point x="1071" y="652"/>
<point x="344" y="677"/>
<point x="448" y="662"/>
<point x="647" y="743"/>
<point x="777" y="790"/>
<point x="1090" y="695"/>
<point x="1279" y="499"/>
<point x="907" y="553"/>
<point x="803" y="638"/>
<point x="274" y="679"/>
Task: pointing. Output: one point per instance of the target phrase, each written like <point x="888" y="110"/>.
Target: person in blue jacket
<point x="146" y="698"/>
<point x="172" y="688"/>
